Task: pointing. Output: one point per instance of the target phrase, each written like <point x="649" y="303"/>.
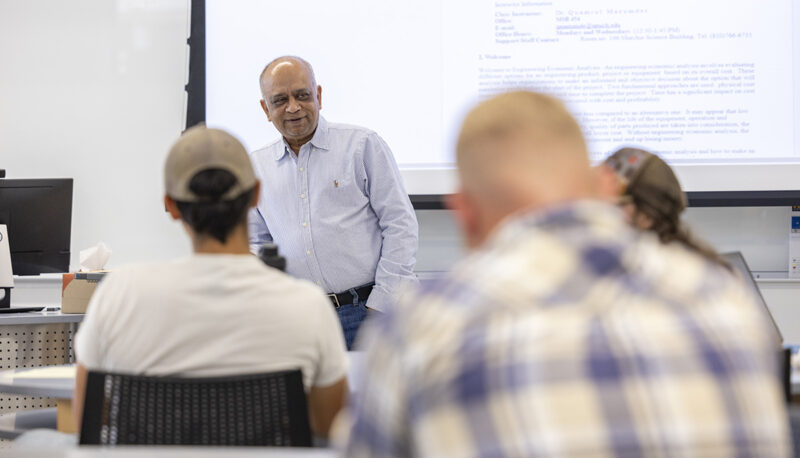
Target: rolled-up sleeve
<point x="397" y="222"/>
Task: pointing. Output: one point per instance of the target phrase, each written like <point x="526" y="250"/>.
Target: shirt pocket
<point x="343" y="192"/>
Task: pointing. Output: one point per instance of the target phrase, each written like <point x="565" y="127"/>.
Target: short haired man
<point x="220" y="311"/>
<point x="332" y="199"/>
<point x="565" y="332"/>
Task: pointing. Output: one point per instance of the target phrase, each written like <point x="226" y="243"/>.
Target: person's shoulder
<point x="178" y="269"/>
<point x="427" y="325"/>
<point x="267" y="150"/>
<point x="677" y="268"/>
<point x="138" y="270"/>
<point x="350" y="128"/>
<point x="437" y="306"/>
<point x="123" y="284"/>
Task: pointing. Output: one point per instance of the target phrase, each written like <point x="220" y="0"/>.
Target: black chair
<point x="260" y="409"/>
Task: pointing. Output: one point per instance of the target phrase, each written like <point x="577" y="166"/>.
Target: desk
<point x="34" y="339"/>
<point x="33" y="318"/>
<point x="51" y="381"/>
<point x="59" y="382"/>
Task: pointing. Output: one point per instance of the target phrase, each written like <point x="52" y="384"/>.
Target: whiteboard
<point x="93" y="90"/>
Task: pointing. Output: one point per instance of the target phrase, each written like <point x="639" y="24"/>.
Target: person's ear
<point x="467" y="217"/>
<point x="172" y="207"/>
<point x="643" y="221"/>
<point x="609" y="186"/>
<point x="265" y="108"/>
<point x="319" y="96"/>
<point x="256" y="194"/>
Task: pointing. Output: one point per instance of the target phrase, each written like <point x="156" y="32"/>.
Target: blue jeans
<point x="351" y="316"/>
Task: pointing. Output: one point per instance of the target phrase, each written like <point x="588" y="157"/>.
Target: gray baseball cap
<point x="201" y="148"/>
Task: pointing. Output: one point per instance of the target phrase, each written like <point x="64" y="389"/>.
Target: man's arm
<point x="258" y="230"/>
<point x="397" y="222"/>
<point x="324" y="403"/>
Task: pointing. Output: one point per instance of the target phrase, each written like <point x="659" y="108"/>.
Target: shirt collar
<point x="320" y="139"/>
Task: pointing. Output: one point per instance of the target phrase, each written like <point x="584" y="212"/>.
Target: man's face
<point x="291" y="101"/>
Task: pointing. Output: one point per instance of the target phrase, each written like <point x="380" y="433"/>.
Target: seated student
<point x="652" y="198"/>
<point x="220" y="311"/>
<point x="565" y="332"/>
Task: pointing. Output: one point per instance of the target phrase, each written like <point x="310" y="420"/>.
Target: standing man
<point x="332" y="199"/>
<point x="566" y="332"/>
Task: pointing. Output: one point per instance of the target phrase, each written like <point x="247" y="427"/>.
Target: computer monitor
<point x="739" y="264"/>
<point x="38" y="214"/>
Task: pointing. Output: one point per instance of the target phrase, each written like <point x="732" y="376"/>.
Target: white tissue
<point x="95" y="258"/>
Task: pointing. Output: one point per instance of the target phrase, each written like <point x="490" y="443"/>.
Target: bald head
<point x="524" y="148"/>
<point x="517" y="151"/>
<point x="287" y="60"/>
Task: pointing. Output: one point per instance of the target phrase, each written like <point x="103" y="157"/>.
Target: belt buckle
<point x="335" y="300"/>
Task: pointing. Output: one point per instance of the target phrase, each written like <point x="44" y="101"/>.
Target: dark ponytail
<point x="212" y="216"/>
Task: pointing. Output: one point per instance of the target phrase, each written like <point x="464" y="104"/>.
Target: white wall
<point x="93" y="89"/>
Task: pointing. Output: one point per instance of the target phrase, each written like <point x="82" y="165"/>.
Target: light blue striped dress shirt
<point x="338" y="212"/>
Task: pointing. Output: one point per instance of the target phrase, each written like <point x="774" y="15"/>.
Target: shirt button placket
<point x="305" y="210"/>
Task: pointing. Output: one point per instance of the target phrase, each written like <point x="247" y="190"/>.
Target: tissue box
<point x="76" y="290"/>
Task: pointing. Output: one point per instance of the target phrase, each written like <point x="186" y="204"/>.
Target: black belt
<point x="347" y="297"/>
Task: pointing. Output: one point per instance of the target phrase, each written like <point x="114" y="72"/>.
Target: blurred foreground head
<point x="517" y="151"/>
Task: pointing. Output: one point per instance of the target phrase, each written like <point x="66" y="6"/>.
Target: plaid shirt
<point x="570" y="334"/>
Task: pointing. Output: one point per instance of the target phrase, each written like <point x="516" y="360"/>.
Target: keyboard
<point x="22" y="309"/>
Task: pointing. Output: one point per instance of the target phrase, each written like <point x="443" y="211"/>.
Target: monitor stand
<point x="5" y="304"/>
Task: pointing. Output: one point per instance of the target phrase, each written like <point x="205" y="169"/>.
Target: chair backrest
<point x="259" y="409"/>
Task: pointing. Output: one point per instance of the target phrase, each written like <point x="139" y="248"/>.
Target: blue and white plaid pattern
<point x="570" y="334"/>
